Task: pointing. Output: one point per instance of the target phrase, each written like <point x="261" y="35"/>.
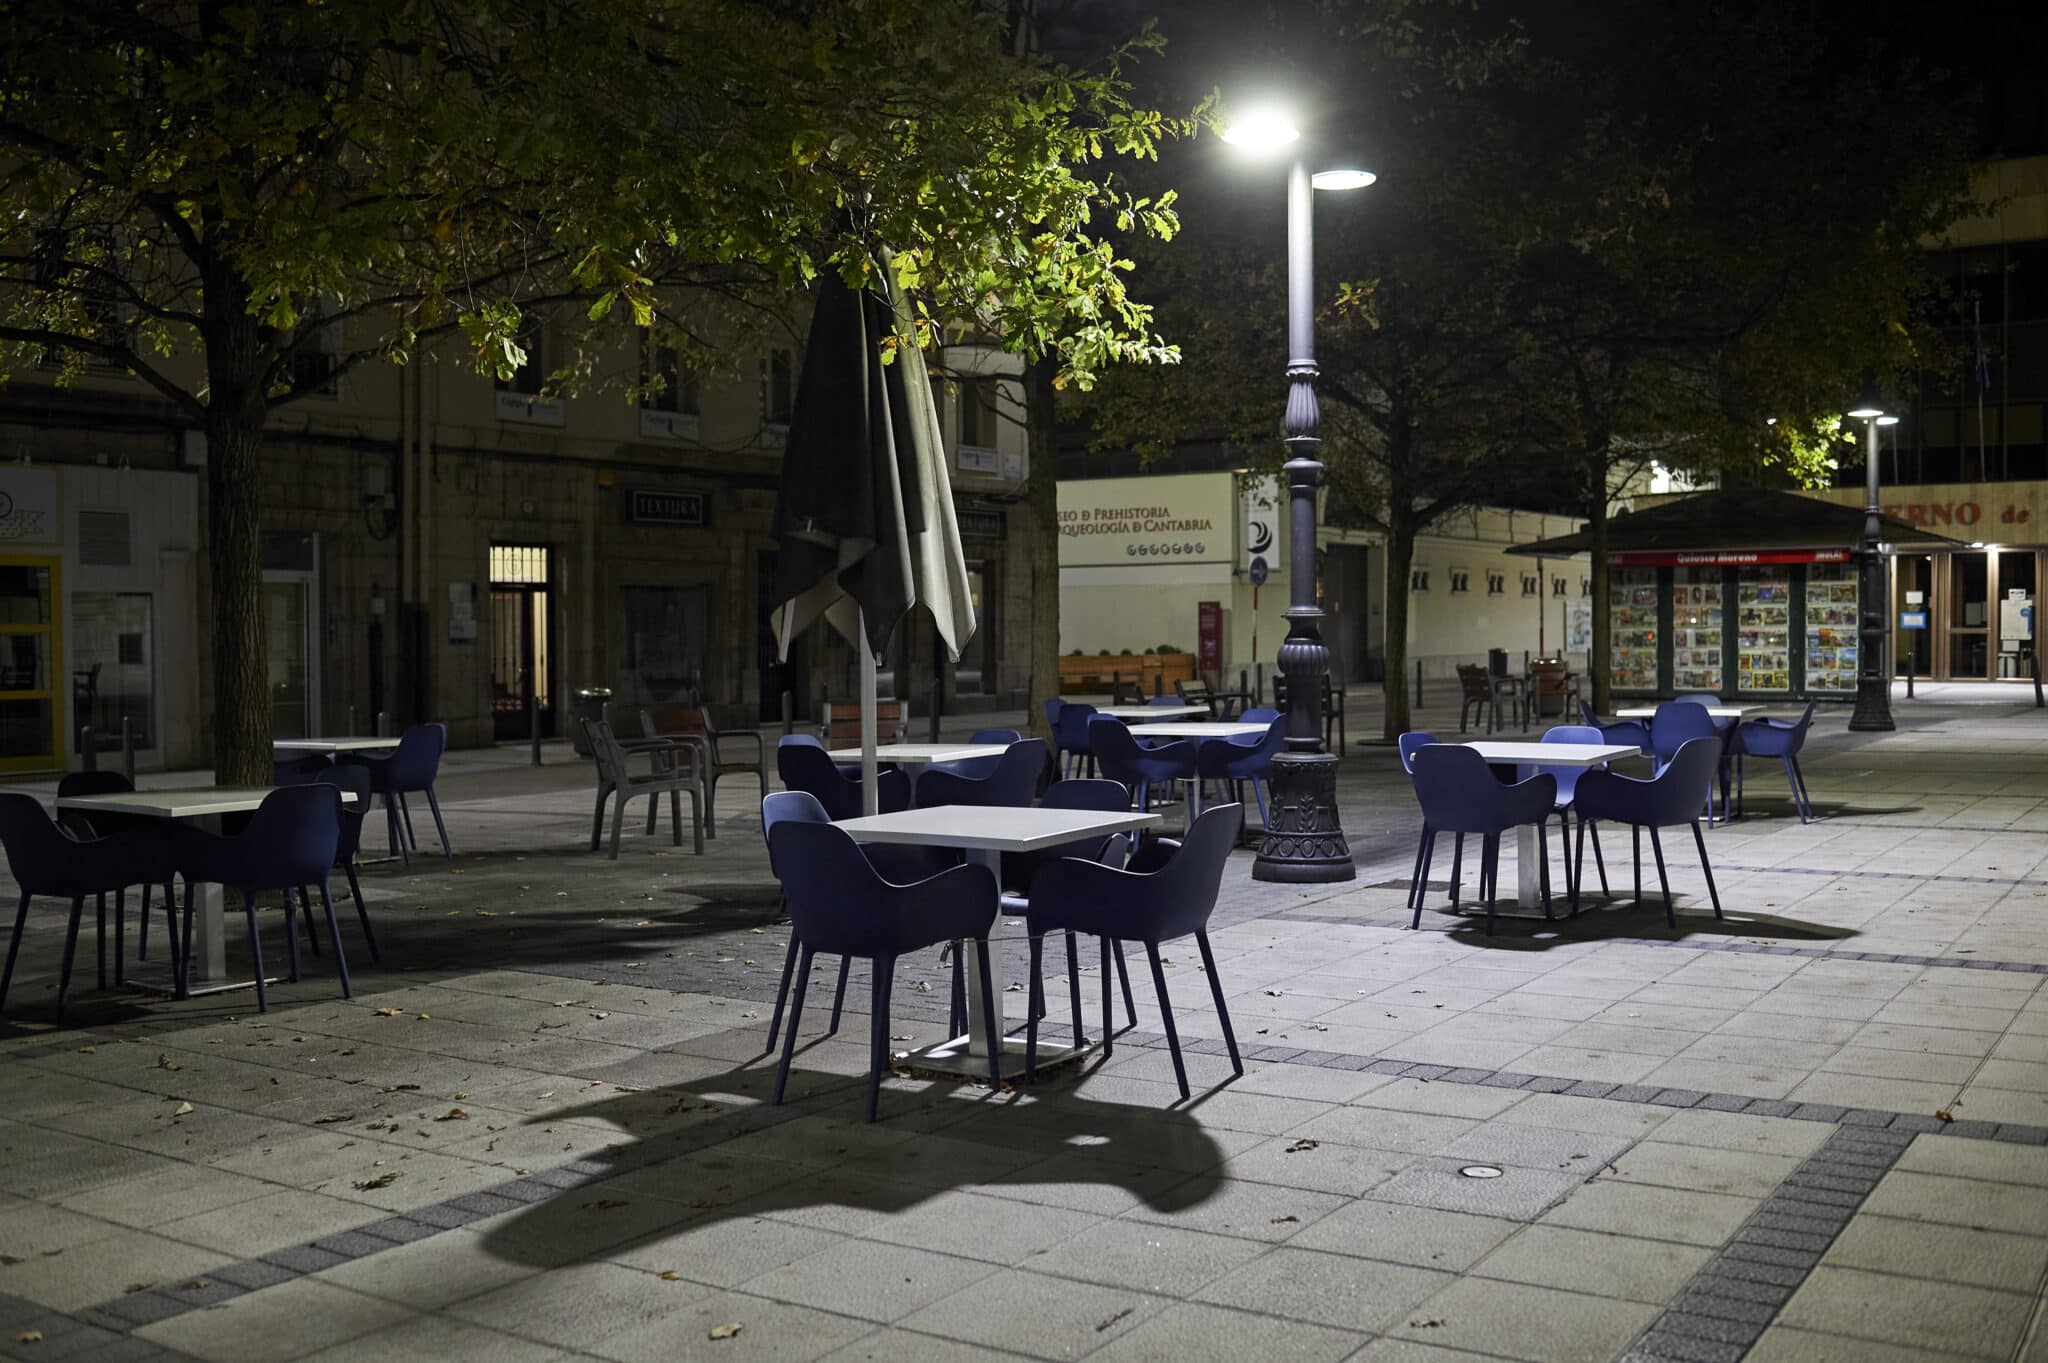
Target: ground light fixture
<point x="1873" y="711"/>
<point x="1303" y="841"/>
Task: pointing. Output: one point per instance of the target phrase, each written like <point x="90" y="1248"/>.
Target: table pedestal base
<point x="964" y="1058"/>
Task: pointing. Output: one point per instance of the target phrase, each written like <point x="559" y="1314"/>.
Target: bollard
<point x="88" y="749"/>
<point x="1417" y="705"/>
<point x="2039" y="703"/>
<point x="1909" y="674"/>
<point x="383" y="724"/>
<point x="938" y="700"/>
<point x="788" y="714"/>
<point x="128" y="750"/>
<point x="533" y="723"/>
<point x="351" y="721"/>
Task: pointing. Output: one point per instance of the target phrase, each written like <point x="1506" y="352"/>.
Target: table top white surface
<point x="1217" y="728"/>
<point x="916" y="753"/>
<point x="1717" y="711"/>
<point x="1000" y="828"/>
<point x="1555" y="754"/>
<point x="1151" y="711"/>
<point x="192" y="802"/>
<point x="331" y="744"/>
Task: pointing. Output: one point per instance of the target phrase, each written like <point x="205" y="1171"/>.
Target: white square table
<point x="984" y="833"/>
<point x="1141" y="713"/>
<point x="1527" y="757"/>
<point x="204" y="805"/>
<point x="1731" y="710"/>
<point x="922" y="754"/>
<point x="332" y="745"/>
<point x="1215" y="728"/>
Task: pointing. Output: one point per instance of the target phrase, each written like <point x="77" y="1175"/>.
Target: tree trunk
<point x="1041" y="496"/>
<point x="1601" y="652"/>
<point x="1400" y="558"/>
<point x="236" y="362"/>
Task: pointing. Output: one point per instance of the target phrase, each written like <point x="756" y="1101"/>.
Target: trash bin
<point x="587" y="702"/>
<point x="1497" y="662"/>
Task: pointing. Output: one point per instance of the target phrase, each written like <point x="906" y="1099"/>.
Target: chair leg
<point x="1457" y="867"/>
<point x="333" y="933"/>
<point x="355" y="890"/>
<point x="1123" y="975"/>
<point x="781" y="995"/>
<point x="1108" y="1043"/>
<point x="796" y="1012"/>
<point x="654" y="813"/>
<point x="597" y="819"/>
<point x="291" y="936"/>
<point x="1712" y="893"/>
<point x="1489" y="875"/>
<point x="312" y="937"/>
<point x="989" y="1021"/>
<point x="100" y="909"/>
<point x="956" y="1014"/>
<point x="700" y="821"/>
<point x="1422" y="876"/>
<point x="185" y="933"/>
<point x="1657" y="847"/>
<point x="1636" y="832"/>
<point x="440" y="826"/>
<point x="171" y="927"/>
<point x="1578" y="857"/>
<point x="1216" y="993"/>
<point x="618" y="822"/>
<point x="1599" y="862"/>
<point x="1415" y="883"/>
<point x="392" y="831"/>
<point x="412" y="839"/>
<point x="13" y="948"/>
<point x="1180" y="1069"/>
<point x="1037" y="988"/>
<point x="142" y="928"/>
<point x="839" y="994"/>
<point x="121" y="935"/>
<point x="1074" y="989"/>
<point x="70" y="951"/>
<point x="255" y="948"/>
<point x="878" y="1027"/>
<point x="1543" y="862"/>
<point x="1805" y="798"/>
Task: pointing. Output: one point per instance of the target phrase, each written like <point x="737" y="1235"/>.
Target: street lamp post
<point x="1303" y="842"/>
<point x="1873" y="688"/>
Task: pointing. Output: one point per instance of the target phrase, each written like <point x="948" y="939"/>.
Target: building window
<point x="667" y="629"/>
<point x="1557" y="585"/>
<point x="670" y="394"/>
<point x="1496" y="584"/>
<point x="1418" y="579"/>
<point x="519" y="397"/>
<point x="979" y="415"/>
<point x="112" y="668"/>
<point x="1461" y="581"/>
<point x="778" y="388"/>
<point x="1530" y="584"/>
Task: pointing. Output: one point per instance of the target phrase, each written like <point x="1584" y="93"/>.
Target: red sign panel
<point x="1209" y="655"/>
<point x="1727" y="558"/>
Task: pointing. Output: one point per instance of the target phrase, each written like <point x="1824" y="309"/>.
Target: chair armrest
<point x="719" y="741"/>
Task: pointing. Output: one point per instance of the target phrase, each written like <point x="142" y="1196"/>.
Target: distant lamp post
<point x="1303" y="842"/>
<point x="1873" y="688"/>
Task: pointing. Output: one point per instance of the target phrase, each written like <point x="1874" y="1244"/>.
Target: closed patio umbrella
<point x="864" y="513"/>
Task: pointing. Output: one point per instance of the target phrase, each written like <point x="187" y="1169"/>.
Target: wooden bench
<point x="839" y="725"/>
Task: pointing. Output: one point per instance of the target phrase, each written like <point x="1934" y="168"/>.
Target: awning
<point x="1735" y="528"/>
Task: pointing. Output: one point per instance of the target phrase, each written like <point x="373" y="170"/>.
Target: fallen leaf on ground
<point x="1273" y="993"/>
<point x="88" y="1050"/>
<point x="181" y="1109"/>
<point x="381" y="1181"/>
<point x="600" y="1016"/>
<point x="605" y="1204"/>
<point x="196" y="1285"/>
<point x="390" y="1012"/>
<point x="426" y="1017"/>
<point x="330" y="1118"/>
<point x="36" y="1337"/>
<point x="671" y="1276"/>
<point x="1280" y="1220"/>
<point x="137" y="1287"/>
<point x="402" y="1088"/>
<point x="1100" y="1326"/>
<point x="1430" y="1324"/>
<point x="1945" y="1115"/>
<point x="453" y="1114"/>
<point x="1298" y="1146"/>
<point x="726" y="1331"/>
<point x="924" y="986"/>
<point x="164" y="1062"/>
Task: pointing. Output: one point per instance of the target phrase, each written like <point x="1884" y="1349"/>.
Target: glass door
<point x="294" y="679"/>
<point x="520" y="665"/>
<point x="2017" y="598"/>
<point x="1914" y="594"/>
<point x="1969" y="633"/>
<point x="31" y="653"/>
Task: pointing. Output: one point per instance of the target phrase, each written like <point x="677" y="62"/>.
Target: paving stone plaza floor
<point x="541" y="1128"/>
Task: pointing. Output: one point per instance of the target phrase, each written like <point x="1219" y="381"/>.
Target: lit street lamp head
<point x="1342" y="179"/>
<point x="1262" y="130"/>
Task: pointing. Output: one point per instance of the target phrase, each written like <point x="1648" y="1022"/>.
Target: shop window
<point x="778" y="388"/>
<point x="667" y="629"/>
<point x="113" y="659"/>
<point x="1496" y="584"/>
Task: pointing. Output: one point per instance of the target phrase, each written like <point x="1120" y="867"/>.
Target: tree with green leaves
<point x="202" y="192"/>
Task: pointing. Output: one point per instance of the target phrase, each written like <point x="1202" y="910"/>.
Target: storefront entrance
<point x="31" y="657"/>
<point x="1979" y="608"/>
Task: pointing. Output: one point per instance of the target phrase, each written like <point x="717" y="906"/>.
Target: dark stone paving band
<point x="1729" y="1304"/>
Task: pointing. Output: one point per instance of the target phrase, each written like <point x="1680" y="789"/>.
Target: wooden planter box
<point x="1155" y="673"/>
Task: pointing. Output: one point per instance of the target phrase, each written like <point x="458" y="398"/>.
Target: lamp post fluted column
<point x="1303" y="841"/>
<point x="1873" y="688"/>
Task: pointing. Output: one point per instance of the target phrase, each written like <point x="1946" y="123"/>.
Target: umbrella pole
<point x="870" y="796"/>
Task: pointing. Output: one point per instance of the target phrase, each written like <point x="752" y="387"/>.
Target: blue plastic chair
<point x="1236" y="761"/>
<point x="1170" y="896"/>
<point x="1678" y="722"/>
<point x="1051" y="708"/>
<point x="1780" y="738"/>
<point x="807" y="767"/>
<point x="978" y="768"/>
<point x="1567" y="784"/>
<point x="290" y="842"/>
<point x="1019" y="868"/>
<point x="99" y="825"/>
<point x="813" y="741"/>
<point x="1121" y="759"/>
<point x="1459" y="793"/>
<point x="1014" y="782"/>
<point x="1633" y="732"/>
<point x="1071" y="739"/>
<point x="840" y="905"/>
<point x="351" y="780"/>
<point x="1672" y="797"/>
<point x="300" y="769"/>
<point x="45" y="862"/>
<point x="412" y="766"/>
<point x="1408" y="744"/>
<point x="1706" y="700"/>
<point x="1257" y="714"/>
